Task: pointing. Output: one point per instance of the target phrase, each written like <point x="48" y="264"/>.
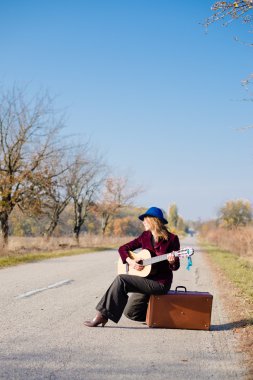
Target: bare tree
<point x="29" y="134"/>
<point x="228" y="11"/>
<point x="85" y="182"/>
<point x="56" y="192"/>
<point x="117" y="194"/>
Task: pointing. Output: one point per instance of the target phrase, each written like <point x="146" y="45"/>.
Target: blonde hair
<point x="157" y="228"/>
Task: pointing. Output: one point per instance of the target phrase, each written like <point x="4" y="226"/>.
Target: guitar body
<point x="126" y="269"/>
<point x="148" y="261"/>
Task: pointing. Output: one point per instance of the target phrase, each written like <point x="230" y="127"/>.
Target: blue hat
<point x="154" y="212"/>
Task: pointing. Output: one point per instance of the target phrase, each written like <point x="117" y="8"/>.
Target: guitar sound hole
<point x="140" y="262"/>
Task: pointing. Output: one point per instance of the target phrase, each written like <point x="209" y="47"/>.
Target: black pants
<point x="114" y="301"/>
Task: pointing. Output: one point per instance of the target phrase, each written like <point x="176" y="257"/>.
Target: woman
<point x="158" y="240"/>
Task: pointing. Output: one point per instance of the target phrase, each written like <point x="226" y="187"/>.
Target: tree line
<point x="43" y="171"/>
<point x="123" y="222"/>
<point x="233" y="215"/>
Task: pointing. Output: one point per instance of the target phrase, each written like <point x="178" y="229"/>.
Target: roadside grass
<point x="234" y="275"/>
<point x="16" y="259"/>
<point x="238" y="270"/>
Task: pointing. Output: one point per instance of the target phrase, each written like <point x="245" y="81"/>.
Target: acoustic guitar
<point x="144" y="258"/>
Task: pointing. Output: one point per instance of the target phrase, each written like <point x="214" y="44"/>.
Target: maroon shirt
<point x="163" y="270"/>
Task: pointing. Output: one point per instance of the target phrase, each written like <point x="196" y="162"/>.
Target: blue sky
<point x="157" y="95"/>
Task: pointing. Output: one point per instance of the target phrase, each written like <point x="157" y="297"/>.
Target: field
<point x="237" y="240"/>
<point x="27" y="249"/>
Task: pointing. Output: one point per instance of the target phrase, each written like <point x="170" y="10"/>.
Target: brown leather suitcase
<point x="180" y="310"/>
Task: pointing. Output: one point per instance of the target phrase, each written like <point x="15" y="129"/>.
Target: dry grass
<point x="231" y="255"/>
<point x="238" y="271"/>
<point x="238" y="240"/>
<point x="233" y="275"/>
<point x="23" y="245"/>
<point x="27" y="249"/>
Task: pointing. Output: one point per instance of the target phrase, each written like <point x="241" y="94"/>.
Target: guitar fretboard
<point x="156" y="259"/>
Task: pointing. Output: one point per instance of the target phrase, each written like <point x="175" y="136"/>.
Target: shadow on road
<point x="223" y="327"/>
<point x="232" y="325"/>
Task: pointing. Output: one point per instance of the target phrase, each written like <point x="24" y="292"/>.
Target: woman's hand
<point x="134" y="263"/>
<point x="171" y="258"/>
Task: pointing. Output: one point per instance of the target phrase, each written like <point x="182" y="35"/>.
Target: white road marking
<point x="35" y="291"/>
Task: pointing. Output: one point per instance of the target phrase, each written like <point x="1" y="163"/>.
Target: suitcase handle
<point x="180" y="287"/>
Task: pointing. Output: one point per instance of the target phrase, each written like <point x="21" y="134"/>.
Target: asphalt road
<point x="43" y="306"/>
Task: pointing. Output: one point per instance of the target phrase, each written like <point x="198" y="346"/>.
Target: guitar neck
<point x="157" y="259"/>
